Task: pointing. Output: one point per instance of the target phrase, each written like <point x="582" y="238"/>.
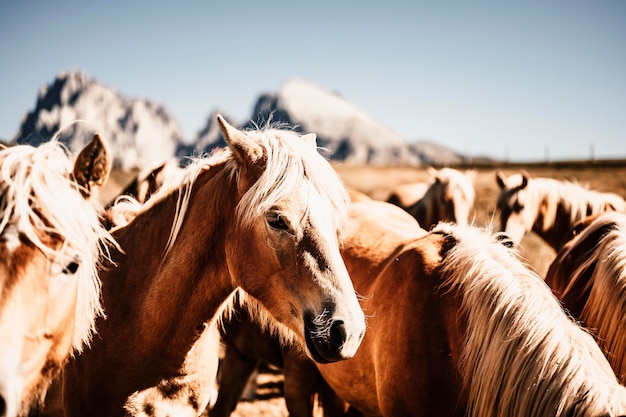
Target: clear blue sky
<point x="520" y="80"/>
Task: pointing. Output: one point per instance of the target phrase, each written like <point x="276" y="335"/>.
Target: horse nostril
<point x="3" y="407"/>
<point x="338" y="333"/>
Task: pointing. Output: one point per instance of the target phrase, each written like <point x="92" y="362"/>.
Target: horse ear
<point x="432" y="173"/>
<point x="244" y="149"/>
<point x="525" y="178"/>
<point x="310" y="138"/>
<point x="92" y="166"/>
<point x="500" y="179"/>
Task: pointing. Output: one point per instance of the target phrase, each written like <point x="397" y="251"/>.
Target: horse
<point x="588" y="275"/>
<point x="457" y="325"/>
<point x="548" y="207"/>
<point x="51" y="242"/>
<point x="448" y="196"/>
<point x="265" y="217"/>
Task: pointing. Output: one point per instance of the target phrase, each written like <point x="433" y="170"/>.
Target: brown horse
<point x="458" y="326"/>
<point x="589" y="276"/>
<point x="265" y="216"/>
<point x="548" y="207"/>
<point x="448" y="196"/>
<point x="51" y="241"/>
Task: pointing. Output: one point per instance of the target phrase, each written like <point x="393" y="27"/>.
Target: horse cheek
<point x="252" y="261"/>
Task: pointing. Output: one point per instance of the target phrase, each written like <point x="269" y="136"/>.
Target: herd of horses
<point x="164" y="302"/>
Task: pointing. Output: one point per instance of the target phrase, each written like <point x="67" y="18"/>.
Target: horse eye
<point x="517" y="207"/>
<point x="276" y="221"/>
<point x="71" y="268"/>
<point x="505" y="240"/>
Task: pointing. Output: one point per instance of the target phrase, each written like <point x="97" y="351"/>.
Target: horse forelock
<point x="291" y="166"/>
<point x="523" y="355"/>
<point x="36" y="192"/>
<point x="516" y="194"/>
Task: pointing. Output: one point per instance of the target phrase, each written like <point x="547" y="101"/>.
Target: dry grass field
<point x="377" y="181"/>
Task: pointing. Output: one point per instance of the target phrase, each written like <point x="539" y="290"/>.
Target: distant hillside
<point x="344" y="132"/>
<point x="142" y="133"/>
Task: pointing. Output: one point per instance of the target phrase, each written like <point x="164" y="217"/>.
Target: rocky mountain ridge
<point x="142" y="133"/>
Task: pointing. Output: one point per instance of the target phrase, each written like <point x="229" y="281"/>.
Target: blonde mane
<point x="291" y="165"/>
<point x="452" y="176"/>
<point x="285" y="152"/>
<point x="577" y="200"/>
<point x="605" y="309"/>
<point x="39" y="197"/>
<point x="522" y="354"/>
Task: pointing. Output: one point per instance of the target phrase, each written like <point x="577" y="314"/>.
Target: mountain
<point x="344" y="132"/>
<point x="140" y="132"/>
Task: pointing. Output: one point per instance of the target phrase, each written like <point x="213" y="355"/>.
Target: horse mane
<point x="605" y="308"/>
<point x="291" y="165"/>
<point x="578" y="201"/>
<point x="454" y="176"/>
<point x="523" y="355"/>
<point x="36" y="190"/>
<point x="450" y="179"/>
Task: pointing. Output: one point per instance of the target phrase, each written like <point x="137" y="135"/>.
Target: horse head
<point x="455" y="194"/>
<point x="517" y="212"/>
<point x="292" y="210"/>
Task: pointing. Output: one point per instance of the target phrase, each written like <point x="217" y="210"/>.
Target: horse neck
<point x="156" y="307"/>
<point x="556" y="216"/>
<point x="426" y="211"/>
<point x="455" y="325"/>
<point x="192" y="279"/>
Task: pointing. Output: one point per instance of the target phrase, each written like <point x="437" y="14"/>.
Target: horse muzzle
<point x="9" y="399"/>
<point x="329" y="340"/>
